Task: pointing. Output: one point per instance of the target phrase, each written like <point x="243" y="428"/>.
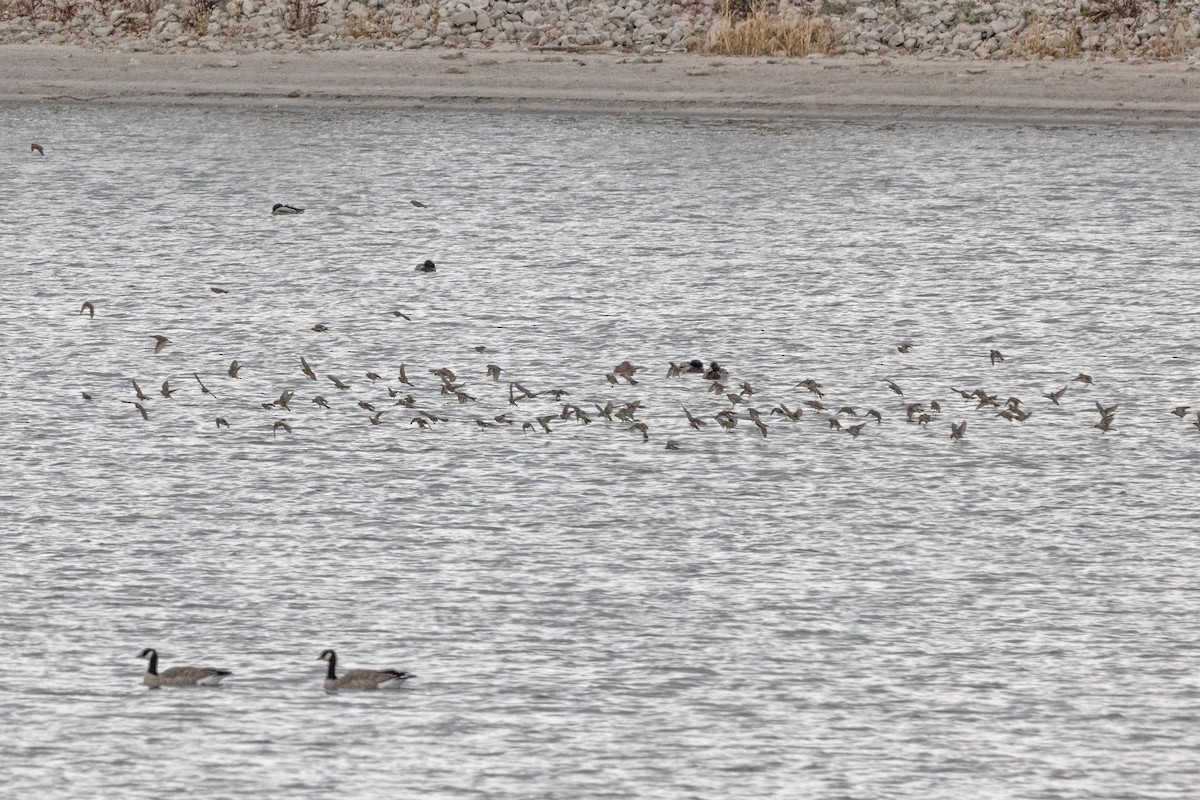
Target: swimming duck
<point x="695" y="366"/>
<point x="715" y="372"/>
<point x="283" y="208"/>
<point x="428" y="266"/>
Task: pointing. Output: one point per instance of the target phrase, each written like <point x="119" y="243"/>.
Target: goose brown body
<point x="179" y="676"/>
<point x="360" y="679"/>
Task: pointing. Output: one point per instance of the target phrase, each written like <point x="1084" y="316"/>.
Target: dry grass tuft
<point x="1040" y="40"/>
<point x="766" y="33"/>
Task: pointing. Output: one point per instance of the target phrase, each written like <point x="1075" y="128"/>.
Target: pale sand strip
<point x="688" y="84"/>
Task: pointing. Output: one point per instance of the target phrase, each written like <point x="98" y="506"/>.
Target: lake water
<point x="806" y="614"/>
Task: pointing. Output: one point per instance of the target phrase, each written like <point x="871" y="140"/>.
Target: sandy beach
<point x="845" y="86"/>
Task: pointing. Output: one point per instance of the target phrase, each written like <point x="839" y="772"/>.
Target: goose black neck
<point x="329" y="673"/>
<point x="153" y="668"/>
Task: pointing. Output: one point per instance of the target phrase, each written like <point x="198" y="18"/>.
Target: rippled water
<point x="591" y="615"/>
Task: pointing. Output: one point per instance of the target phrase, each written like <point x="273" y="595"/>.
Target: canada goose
<point x="904" y="347"/>
<point x="312" y="376"/>
<point x="493" y="371"/>
<point x="88" y="307"/>
<point x="179" y="676"/>
<point x="427" y="266"/>
<point x="418" y="204"/>
<point x="138" y="390"/>
<point x="217" y="290"/>
<point x="203" y="389"/>
<point x="958" y="431"/>
<point x="360" y="679"/>
<point x="160" y="342"/>
<point x="283" y="208"/>
<point x="319" y="328"/>
<point x="37" y="148"/>
<point x="166" y="390"/>
<point x="222" y="423"/>
<point x="233" y="368"/>
<point x="1180" y="411"/>
<point x="891" y="385"/>
<point x="995" y="356"/>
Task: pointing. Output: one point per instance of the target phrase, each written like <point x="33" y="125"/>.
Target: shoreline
<point x="672" y="84"/>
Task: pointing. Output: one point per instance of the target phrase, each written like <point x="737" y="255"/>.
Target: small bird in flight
<point x="416" y="203"/>
<point x="37" y="148"/>
<point x="283" y="208"/>
<point x="160" y="342"/>
<point x="88" y="307"/>
<point x="233" y="368"/>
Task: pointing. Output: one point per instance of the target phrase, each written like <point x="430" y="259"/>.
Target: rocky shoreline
<point x="973" y="29"/>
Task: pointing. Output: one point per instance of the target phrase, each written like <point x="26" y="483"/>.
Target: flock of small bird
<point x="351" y="680"/>
<point x="528" y="408"/>
<point x="1012" y="409"/>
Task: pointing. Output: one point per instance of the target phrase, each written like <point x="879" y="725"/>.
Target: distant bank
<point x="1123" y="29"/>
